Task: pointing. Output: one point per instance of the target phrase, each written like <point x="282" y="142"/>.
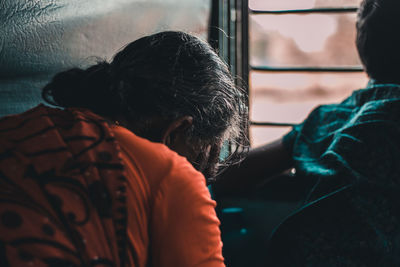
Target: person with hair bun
<point x="114" y="173"/>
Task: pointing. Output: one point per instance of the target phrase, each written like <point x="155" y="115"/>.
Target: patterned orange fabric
<point x="76" y="192"/>
<point x="62" y="190"/>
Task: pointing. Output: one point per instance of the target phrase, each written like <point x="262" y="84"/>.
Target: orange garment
<point x="171" y="216"/>
<point x="76" y="192"/>
<point x="62" y="191"/>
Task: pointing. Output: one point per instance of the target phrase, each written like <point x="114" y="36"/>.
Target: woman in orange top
<point x="116" y="177"/>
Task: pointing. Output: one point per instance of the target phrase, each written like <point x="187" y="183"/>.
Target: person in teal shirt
<point x="350" y="152"/>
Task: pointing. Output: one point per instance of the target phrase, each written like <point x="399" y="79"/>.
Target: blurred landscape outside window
<point x="299" y="40"/>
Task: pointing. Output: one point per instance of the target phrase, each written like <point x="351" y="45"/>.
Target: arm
<point x="261" y="164"/>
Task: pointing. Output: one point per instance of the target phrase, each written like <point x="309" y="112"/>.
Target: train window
<point x="294" y="55"/>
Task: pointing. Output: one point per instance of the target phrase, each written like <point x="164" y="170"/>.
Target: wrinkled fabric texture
<point x="62" y="190"/>
<point x="351" y="152"/>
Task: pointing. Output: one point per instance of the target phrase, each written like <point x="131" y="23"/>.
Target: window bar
<point x="226" y="31"/>
<point x="305" y="11"/>
<point x="232" y="35"/>
<point x="236" y="40"/>
<point x="307" y="69"/>
<point x="272" y="124"/>
<point x="229" y="33"/>
<point x="245" y="43"/>
<point x="213" y="33"/>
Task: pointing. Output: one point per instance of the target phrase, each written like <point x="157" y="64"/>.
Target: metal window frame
<point x="230" y="37"/>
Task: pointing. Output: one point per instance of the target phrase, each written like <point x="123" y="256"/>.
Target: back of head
<point x="378" y="39"/>
<point x="160" y="77"/>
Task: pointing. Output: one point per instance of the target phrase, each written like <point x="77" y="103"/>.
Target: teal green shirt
<point x="352" y="148"/>
<point x="355" y="141"/>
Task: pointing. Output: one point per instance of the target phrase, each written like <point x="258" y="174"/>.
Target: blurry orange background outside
<point x="299" y="40"/>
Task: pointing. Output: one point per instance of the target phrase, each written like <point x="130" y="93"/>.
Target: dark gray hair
<point x="166" y="75"/>
<point x="378" y="40"/>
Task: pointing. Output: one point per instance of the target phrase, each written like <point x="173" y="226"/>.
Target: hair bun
<point x="76" y="87"/>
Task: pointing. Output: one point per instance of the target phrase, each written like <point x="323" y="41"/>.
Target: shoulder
<point x="143" y="149"/>
<point x="155" y="159"/>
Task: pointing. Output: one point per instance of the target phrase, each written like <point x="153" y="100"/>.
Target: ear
<point x="175" y="131"/>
